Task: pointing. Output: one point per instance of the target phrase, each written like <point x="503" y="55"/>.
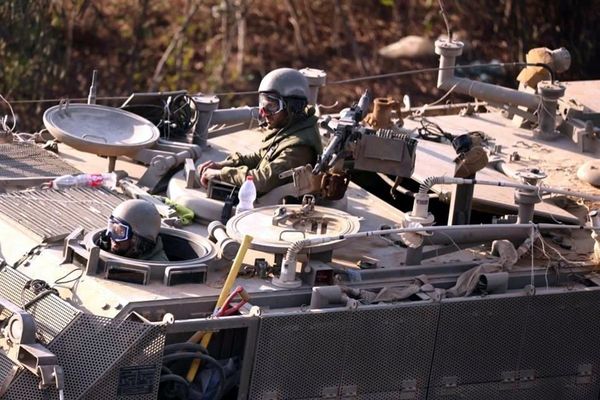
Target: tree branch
<point x="157" y="78"/>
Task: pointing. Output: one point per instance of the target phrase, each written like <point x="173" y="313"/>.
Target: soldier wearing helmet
<point x="133" y="230"/>
<point x="293" y="141"/>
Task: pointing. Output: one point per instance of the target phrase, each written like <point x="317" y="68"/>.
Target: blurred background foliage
<point x="48" y="48"/>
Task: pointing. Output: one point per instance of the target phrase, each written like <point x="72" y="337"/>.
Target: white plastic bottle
<point x="246" y="195"/>
<point x="107" y="179"/>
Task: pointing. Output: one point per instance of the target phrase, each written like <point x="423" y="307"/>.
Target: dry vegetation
<point x="50" y="47"/>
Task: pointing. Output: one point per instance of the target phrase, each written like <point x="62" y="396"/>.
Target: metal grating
<point x="147" y="354"/>
<point x="351" y="353"/>
<point x="92" y="351"/>
<point x="52" y="314"/>
<point x="297" y="356"/>
<point x="6" y="366"/>
<point x="478" y="339"/>
<point x="389" y="348"/>
<point x="562" y="334"/>
<point x="387" y="396"/>
<point x="7" y="369"/>
<point x="561" y="388"/>
<point x="50" y="215"/>
<point x="27" y="160"/>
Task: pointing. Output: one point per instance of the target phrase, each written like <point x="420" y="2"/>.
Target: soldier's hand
<point x="209" y="174"/>
<point x="206" y="165"/>
<point x="202" y="167"/>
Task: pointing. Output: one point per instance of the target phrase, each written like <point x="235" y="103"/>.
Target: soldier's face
<point x="120" y="248"/>
<point x="277" y="120"/>
<point x="272" y="109"/>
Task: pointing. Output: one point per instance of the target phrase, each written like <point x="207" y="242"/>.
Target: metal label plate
<point x="136" y="380"/>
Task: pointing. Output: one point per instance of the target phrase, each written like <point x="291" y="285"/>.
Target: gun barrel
<point x="327" y="153"/>
<point x="364" y="103"/>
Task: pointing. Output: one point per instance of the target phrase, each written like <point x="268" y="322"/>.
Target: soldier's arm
<point x="266" y="178"/>
<point x="250" y="160"/>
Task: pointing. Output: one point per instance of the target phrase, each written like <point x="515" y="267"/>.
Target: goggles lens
<point x="118" y="230"/>
<point x="269" y="104"/>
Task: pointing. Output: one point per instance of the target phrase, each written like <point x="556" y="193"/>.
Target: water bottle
<point x="246" y="195"/>
<point x="108" y="180"/>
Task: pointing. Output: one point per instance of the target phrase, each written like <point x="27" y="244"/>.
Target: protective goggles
<point x="269" y="104"/>
<point x="118" y="230"/>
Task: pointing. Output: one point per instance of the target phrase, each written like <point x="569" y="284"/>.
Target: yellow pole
<point x="227" y="286"/>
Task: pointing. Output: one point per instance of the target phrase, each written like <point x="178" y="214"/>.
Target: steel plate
<point x="100" y="130"/>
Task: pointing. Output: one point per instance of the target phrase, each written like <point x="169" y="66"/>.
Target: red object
<point x="227" y="308"/>
<point x="95" y="180"/>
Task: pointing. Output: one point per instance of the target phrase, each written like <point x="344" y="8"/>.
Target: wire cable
<point x="56" y="100"/>
<point x="183" y="356"/>
<point x="451" y="240"/>
<point x="560" y="256"/>
<point x="64" y="281"/>
<point x="4" y="121"/>
<point x="437" y="69"/>
<point x="443" y="12"/>
<point x="177" y="382"/>
<point x="422" y="109"/>
<point x="431" y="131"/>
<point x="39" y="288"/>
<point x="28" y="255"/>
<point x="338" y="82"/>
<point x="539" y="195"/>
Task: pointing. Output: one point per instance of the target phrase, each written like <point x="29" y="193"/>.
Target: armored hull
<point x="361" y="301"/>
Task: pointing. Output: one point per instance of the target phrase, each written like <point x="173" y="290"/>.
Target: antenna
<point x="445" y="16"/>
<point x="92" y="95"/>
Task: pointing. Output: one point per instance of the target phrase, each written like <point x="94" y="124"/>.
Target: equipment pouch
<point x="334" y="185"/>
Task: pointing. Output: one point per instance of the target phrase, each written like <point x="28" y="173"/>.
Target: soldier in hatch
<point x="133" y="230"/>
<point x="293" y="141"/>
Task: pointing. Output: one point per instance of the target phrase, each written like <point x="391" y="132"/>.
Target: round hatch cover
<point x="102" y="130"/>
<point x="590" y="172"/>
<point x="181" y="247"/>
<point x="274" y="228"/>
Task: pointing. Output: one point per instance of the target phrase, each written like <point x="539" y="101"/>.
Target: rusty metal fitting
<point x="381" y="117"/>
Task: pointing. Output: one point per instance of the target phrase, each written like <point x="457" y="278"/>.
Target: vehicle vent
<point x="50" y="215"/>
<point x="52" y="314"/>
<point x="28" y="161"/>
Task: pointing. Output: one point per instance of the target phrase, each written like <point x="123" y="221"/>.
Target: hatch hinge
<point x="450" y="383"/>
<point x="270" y="396"/>
<point x="523" y="379"/>
<point x="329" y="392"/>
<point x="409" y="389"/>
<point x="584" y="374"/>
<point x="526" y="378"/>
<point x="348" y="392"/>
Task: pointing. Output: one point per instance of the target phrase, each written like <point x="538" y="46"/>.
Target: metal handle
<point x="291" y="231"/>
<point x="64" y="103"/>
<point x="94" y="136"/>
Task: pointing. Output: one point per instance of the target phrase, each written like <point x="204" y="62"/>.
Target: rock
<point x="590" y="172"/>
<point x="409" y="47"/>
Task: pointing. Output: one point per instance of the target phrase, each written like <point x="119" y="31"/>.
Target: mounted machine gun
<point x="344" y="131"/>
<point x="356" y="146"/>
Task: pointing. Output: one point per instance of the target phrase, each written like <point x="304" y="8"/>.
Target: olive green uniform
<point x="283" y="149"/>
<point x="156" y="254"/>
